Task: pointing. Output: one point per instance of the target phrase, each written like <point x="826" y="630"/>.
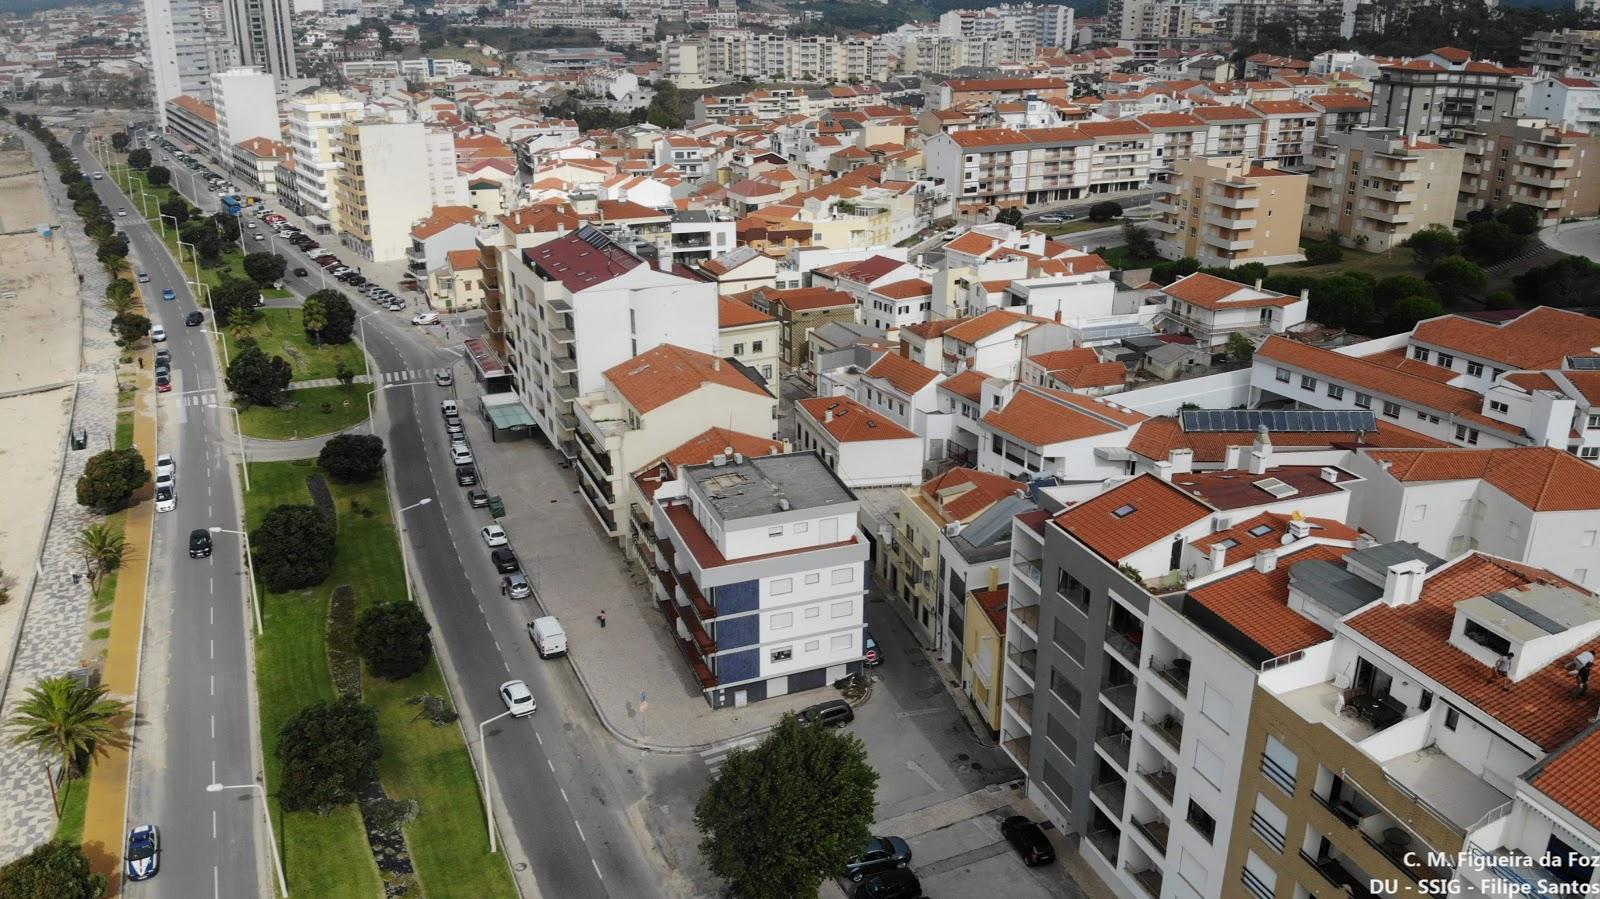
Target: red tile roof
<point x="910" y="288"/>
<point x="1567" y="777"/>
<point x="579" y="263"/>
<point x="1540" y="707"/>
<point x="988" y="324"/>
<point x="1007" y="84"/>
<point x="797" y="299"/>
<point x="204" y="110"/>
<point x="1238" y="489"/>
<point x="1040" y="421"/>
<point x="851" y="422"/>
<point x="443" y="218"/>
<point x="1213" y="293"/>
<point x="463" y="260"/>
<point x="966" y="492"/>
<point x="1158" y="437"/>
<point x="864" y="271"/>
<point x="1158" y="511"/>
<point x="658" y="376"/>
<point x="993" y="604"/>
<point x="700" y="450"/>
<point x="1256" y="604"/>
<point x="734" y="314"/>
<point x="906" y="376"/>
<point x="1540" y="478"/>
<point x="1539" y="338"/>
<point x="967" y="385"/>
<point x="1246" y="544"/>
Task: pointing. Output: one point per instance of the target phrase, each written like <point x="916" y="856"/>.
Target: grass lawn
<point x="74" y="795"/>
<point x="280" y="333"/>
<point x="1398" y="261"/>
<point x="306" y="418"/>
<point x="124" y="437"/>
<point x="420" y="761"/>
<point x="1072" y="227"/>
<point x="232" y="263"/>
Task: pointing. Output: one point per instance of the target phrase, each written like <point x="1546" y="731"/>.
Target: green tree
<point x="1105" y="211"/>
<point x="1406" y="312"/>
<point x="330" y="754"/>
<point x="176" y="207"/>
<point x="314" y="315"/>
<point x="56" y="870"/>
<point x="119" y="141"/>
<point x="1323" y="253"/>
<point x="130" y="328"/>
<point x="202" y="235"/>
<point x="139" y="159"/>
<point x="1343" y="301"/>
<point x="1397" y="287"/>
<point x="1140" y="244"/>
<point x="257" y="379"/>
<point x="109" y="479"/>
<point x="293" y="548"/>
<point x="158" y="176"/>
<point x="352" y="458"/>
<point x="67" y="723"/>
<point x="341" y="322"/>
<point x="1490" y="242"/>
<point x="780" y="818"/>
<point x="1240" y="349"/>
<point x="104" y="549"/>
<point x="1170" y="270"/>
<point x="1433" y="243"/>
<point x="114" y="266"/>
<point x="231" y="297"/>
<point x="1010" y="215"/>
<point x="1454" y="278"/>
<point x="242" y="324"/>
<point x="119" y="297"/>
<point x="1571" y="281"/>
<point x="1521" y="218"/>
<point x="393" y="638"/>
<point x="264" y="268"/>
<point x="227" y="226"/>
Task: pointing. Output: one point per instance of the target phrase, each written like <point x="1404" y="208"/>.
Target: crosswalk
<point x="200" y="399"/>
<point x="716" y="755"/>
<point x="410" y="374"/>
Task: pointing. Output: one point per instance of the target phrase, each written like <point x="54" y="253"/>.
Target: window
<point x="1061" y="735"/>
<point x="1475" y="369"/>
<point x="775" y="531"/>
<point x="1587" y="539"/>
<point x="1446" y="360"/>
<point x="780" y="586"/>
<point x="1419" y="511"/>
<point x="1497" y="406"/>
<point x="1208" y="763"/>
<point x="1258" y="877"/>
<point x="1363" y="401"/>
<point x="1065" y="690"/>
<point x="1470" y="435"/>
<point x="1279" y="764"/>
<point x="814" y="612"/>
<point x="800" y="527"/>
<point x="1593" y="422"/>
<point x="1335" y="392"/>
<point x="1123" y="511"/>
<point x="782" y="654"/>
<point x="843" y="575"/>
<point x="841" y="642"/>
<point x="814" y="577"/>
<point x="1269" y="822"/>
<point x="1391" y="410"/>
<point x="738" y="349"/>
<point x="1308" y="383"/>
<point x="1452" y="718"/>
<point x="1201" y="821"/>
<point x="781" y="620"/>
<point x="1068" y="640"/>
<point x="1283" y="375"/>
<point x="813" y="645"/>
<point x="755" y="346"/>
<point x="1589" y="452"/>
<point x="840" y="609"/>
<point x="1260" y="530"/>
<point x="1419" y="353"/>
<point x="1217" y="708"/>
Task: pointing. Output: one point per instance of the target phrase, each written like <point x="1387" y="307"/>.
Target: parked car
<point x="448" y="408"/>
<point x="199" y="543"/>
<point x="548" y="637"/>
<point x="1053" y="218"/>
<point x="518" y="699"/>
<point x="460" y="455"/>
<point x="494" y="535"/>
<point x="165" y="465"/>
<point x="466" y="475"/>
<point x="1029" y="839"/>
<point x="834" y="713"/>
<point x="880" y="854"/>
<point x="99" y="176"/>
<point x="122" y="211"/>
<point x="505" y="561"/>
<point x="142" y="861"/>
<point x="158" y="334"/>
<point x="165" y="500"/>
<point x="425" y="318"/>
<point x="896" y="883"/>
<point x="478" y="499"/>
<point x="517" y="586"/>
<point x="163" y="382"/>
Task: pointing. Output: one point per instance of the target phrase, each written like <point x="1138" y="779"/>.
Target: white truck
<point x="547" y="636"/>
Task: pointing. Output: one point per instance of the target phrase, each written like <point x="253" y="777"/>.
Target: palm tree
<point x="68" y="723"/>
<point x="115" y="265"/>
<point x="120" y="302"/>
<point x="314" y="316"/>
<point x="242" y="322"/>
<point x="104" y="550"/>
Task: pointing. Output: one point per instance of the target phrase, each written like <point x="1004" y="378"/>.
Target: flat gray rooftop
<point x="1379" y="558"/>
<point x="760" y="484"/>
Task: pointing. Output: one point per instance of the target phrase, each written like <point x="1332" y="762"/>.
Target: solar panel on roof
<point x="1583" y="363"/>
<point x="1312" y="420"/>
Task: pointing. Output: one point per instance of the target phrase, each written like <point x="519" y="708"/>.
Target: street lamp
<point x="483" y="748"/>
<point x="244" y="461"/>
<point x="194" y="255"/>
<point x="405" y="554"/>
<point x="162" y="220"/>
<point x="249" y="563"/>
<point x="266" y="811"/>
<point x="223" y="342"/>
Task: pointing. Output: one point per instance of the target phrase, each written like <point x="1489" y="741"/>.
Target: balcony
<point x="1021" y="705"/>
<point x="1342" y="874"/>
<point x="1106" y="842"/>
<point x="1148" y="880"/>
<point x="1162" y="780"/>
<point x="1392" y="196"/>
<point x="1020" y="749"/>
<point x="1228" y="244"/>
<point x="1229" y="224"/>
<point x="1545" y="160"/>
<point x="1543" y="180"/>
<point x="1121" y="698"/>
<point x="1111" y="794"/>
<point x="1393" y="218"/>
<point x="1031" y="570"/>
<point x="1160" y="207"/>
<point x="1163" y="226"/>
<point x="1116" y="747"/>
<point x="1027" y="616"/>
<point x="1233" y="202"/>
<point x="565" y="364"/>
<point x="1168" y="727"/>
<point x="1175" y="673"/>
<point x="1125" y="643"/>
<point x="1025" y="660"/>
<point x="1156" y="830"/>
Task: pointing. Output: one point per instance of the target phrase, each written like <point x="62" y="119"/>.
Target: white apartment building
<point x="581" y="304"/>
<point x="260" y="35"/>
<point x="761" y="567"/>
<point x="182" y="53"/>
<point x="316" y="128"/>
<point x="246" y="100"/>
<point x="1573" y="103"/>
<point x="386" y="184"/>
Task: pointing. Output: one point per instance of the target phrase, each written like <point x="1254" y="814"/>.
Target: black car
<point x="478" y="498"/>
<point x="466" y="475"/>
<point x="1028" y="838"/>
<point x="896" y="883"/>
<point x="873" y="657"/>
<point x="505" y="561"/>
<point x="199" y="543"/>
<point x="194" y="318"/>
<point x="834" y="712"/>
<point x="301" y="272"/>
<point x="880" y="854"/>
<point x="163" y="355"/>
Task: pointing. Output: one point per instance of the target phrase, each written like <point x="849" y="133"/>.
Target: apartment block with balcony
<point x="578" y="305"/>
<point x="1424" y="99"/>
<point x="1568" y="101"/>
<point x="447" y="229"/>
<point x="1211" y="310"/>
<point x="1374" y="188"/>
<point x="760" y="570"/>
<point x="647" y="406"/>
<point x="696" y="237"/>
<point x="1004" y="166"/>
<point x="1559" y="51"/>
<point x="1288" y="129"/>
<point x="316" y="123"/>
<point x="1529" y="162"/>
<point x="1227" y="211"/>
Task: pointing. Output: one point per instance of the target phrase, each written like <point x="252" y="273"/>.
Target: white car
<point x="425" y="318"/>
<point x="495" y="535"/>
<point x="165" y="500"/>
<point x="165" y="467"/>
<point x="258" y="236"/>
<point x="158" y="334"/>
<point x="518" y="699"/>
<point x="460" y="455"/>
<point x="952" y="234"/>
<point x="122" y="212"/>
<point x="99" y="176"/>
<point x="163" y="481"/>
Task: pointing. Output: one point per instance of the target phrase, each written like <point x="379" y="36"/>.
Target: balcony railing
<point x="1025" y="659"/>
<point x="1117" y="746"/>
<point x="1176" y="674"/>
<point x="1155" y="830"/>
<point x="1022" y="705"/>
<point x="1149" y="880"/>
<point x="1167" y="727"/>
<point x="1020" y="749"/>
<point x="1106" y="843"/>
<point x="1111" y="794"/>
<point x="1164" y="782"/>
<point x="1121" y="698"/>
<point x="1267" y="831"/>
<point x="1031" y="569"/>
<point x="1123" y="645"/>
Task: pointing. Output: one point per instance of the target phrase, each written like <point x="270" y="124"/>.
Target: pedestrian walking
<point x="505" y="586"/>
<point x="141" y="362"/>
<point x="1502" y="671"/>
<point x="601" y="617"/>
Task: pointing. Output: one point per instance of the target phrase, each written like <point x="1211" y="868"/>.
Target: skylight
<point x="1277" y="488"/>
<point x="1260" y="530"/>
<point x="1123" y="511"/>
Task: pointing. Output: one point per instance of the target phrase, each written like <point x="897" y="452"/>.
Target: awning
<point x="509" y="413"/>
<point x="483" y="358"/>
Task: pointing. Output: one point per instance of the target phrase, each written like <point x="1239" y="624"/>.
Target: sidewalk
<point x="106" y="815"/>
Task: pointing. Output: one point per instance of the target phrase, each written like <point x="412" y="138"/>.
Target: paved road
<point x="562" y="792"/>
<point x="195" y="697"/>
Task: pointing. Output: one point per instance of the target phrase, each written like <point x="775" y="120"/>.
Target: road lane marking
<point x="564" y="795"/>
<point x="213" y="824"/>
<point x="213" y="684"/>
<point x="552" y="765"/>
<point x="213" y="727"/>
<point x="213" y="648"/>
<point x="539" y="738"/>
<point x="596" y="868"/>
<point x="580" y="830"/>
<point x="216" y="883"/>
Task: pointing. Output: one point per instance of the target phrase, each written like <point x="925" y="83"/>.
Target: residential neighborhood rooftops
<point x="665" y="373"/>
<point x="1217" y="294"/>
<point x="1255" y="604"/>
<point x="847" y="421"/>
<point x="582" y="259"/>
<point x="764" y="485"/>
<point x="1241" y="490"/>
<point x="1540" y="478"/>
<point x="1131" y="516"/>
<point x="734" y="314"/>
<point x="1538" y="338"/>
<point x="904" y="375"/>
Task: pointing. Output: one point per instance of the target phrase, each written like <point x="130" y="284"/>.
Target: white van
<point x="447" y="408"/>
<point x="547" y="636"/>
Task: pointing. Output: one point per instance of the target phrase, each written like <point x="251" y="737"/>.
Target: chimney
<point x="827" y="416"/>
<point x="719" y="460"/>
<point x="1258" y="284"/>
<point x="994" y="577"/>
<point x="1261" y="452"/>
<point x="1164" y="470"/>
<point x="738" y="458"/>
<point x="1385" y="464"/>
<point x="1305" y="294"/>
<point x="1330" y="474"/>
<point x="1266" y="561"/>
<point x="1402" y="583"/>
<point x="1218" y="556"/>
<point x="1182" y="461"/>
<point x="1365" y="540"/>
<point x="1233" y="460"/>
<point x="716" y="363"/>
<point x="1299" y="528"/>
